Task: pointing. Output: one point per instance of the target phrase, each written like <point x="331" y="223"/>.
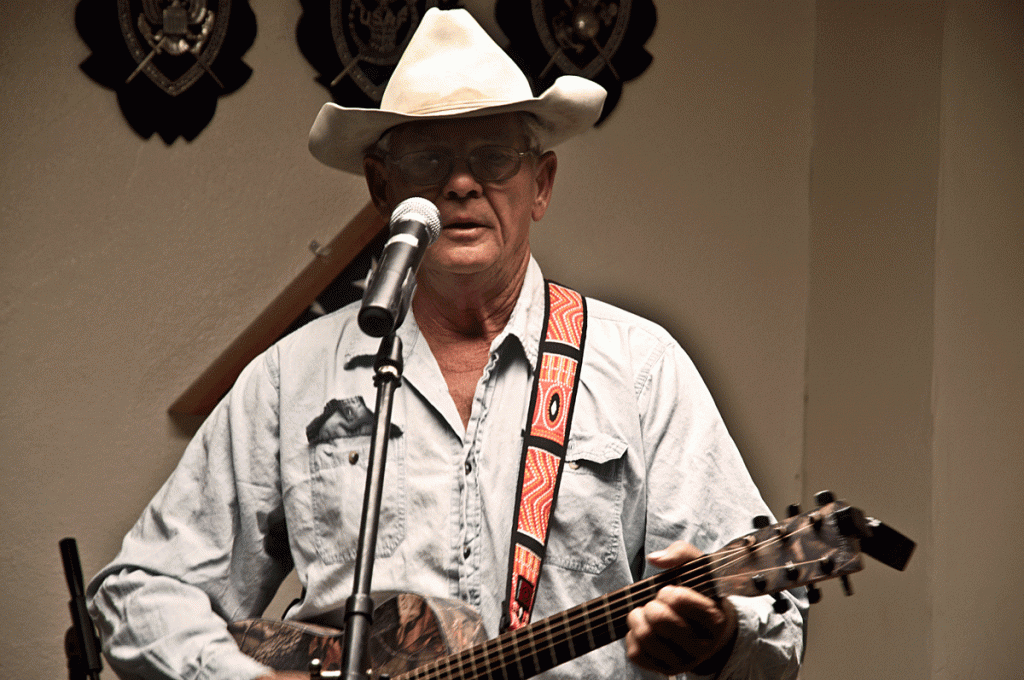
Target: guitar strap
<point x="545" y="440"/>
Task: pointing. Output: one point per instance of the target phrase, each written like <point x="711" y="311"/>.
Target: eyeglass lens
<point x="487" y="164"/>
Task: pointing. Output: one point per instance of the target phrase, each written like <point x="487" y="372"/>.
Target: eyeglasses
<point x="491" y="163"/>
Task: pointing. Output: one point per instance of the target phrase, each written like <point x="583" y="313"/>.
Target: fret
<point x="531" y="663"/>
<point x="587" y="627"/>
<point x="565" y="650"/>
<point x="606" y="606"/>
<point x="494" y="650"/>
<point x="550" y="635"/>
<point x="485" y="657"/>
<point x="517" y="657"/>
<point x="460" y="665"/>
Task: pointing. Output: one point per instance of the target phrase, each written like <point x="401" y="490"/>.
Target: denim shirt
<point x="274" y="480"/>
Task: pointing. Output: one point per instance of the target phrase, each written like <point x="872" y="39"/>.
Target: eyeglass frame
<point x="392" y="160"/>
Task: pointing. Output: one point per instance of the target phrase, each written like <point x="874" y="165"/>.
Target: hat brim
<point x="340" y="135"/>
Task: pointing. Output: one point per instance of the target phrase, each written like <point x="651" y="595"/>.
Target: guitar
<point x="424" y="638"/>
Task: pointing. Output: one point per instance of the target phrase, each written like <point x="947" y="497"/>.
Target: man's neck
<point x="456" y="309"/>
<point x="459" y="317"/>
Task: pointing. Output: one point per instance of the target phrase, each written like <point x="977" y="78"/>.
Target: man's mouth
<point x="463" y="224"/>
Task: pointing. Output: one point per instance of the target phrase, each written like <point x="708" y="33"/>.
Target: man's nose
<point x="461" y="183"/>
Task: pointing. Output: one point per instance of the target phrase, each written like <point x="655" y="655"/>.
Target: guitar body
<point x="444" y="639"/>
<point x="408" y="631"/>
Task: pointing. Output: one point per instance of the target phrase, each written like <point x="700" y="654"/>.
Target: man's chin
<point x="462" y="261"/>
<point x="462" y="268"/>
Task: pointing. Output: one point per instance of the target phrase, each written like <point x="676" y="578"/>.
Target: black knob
<point x="792" y="510"/>
<point x="781" y="604"/>
<point x="813" y="594"/>
<point x="761" y="521"/>
<point x="824" y="497"/>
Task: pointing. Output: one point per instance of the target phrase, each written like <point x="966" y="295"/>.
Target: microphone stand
<point x="359" y="607"/>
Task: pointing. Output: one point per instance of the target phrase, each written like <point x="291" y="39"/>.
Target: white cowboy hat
<point x="452" y="69"/>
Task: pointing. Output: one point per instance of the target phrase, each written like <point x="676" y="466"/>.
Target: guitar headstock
<point x="820" y="544"/>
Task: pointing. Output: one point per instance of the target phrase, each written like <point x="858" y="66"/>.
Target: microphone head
<point x="421" y="210"/>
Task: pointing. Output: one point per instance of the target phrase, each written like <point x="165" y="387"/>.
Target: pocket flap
<point x="594" y="447"/>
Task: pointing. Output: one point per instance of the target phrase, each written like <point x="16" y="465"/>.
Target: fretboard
<point x="545" y="644"/>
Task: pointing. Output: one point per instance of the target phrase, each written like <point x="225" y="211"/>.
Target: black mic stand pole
<point x="359" y="607"/>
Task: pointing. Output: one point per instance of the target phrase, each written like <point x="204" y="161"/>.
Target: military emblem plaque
<point x="355" y="44"/>
<point x="602" y="40"/>
<point x="174" y="42"/>
<point x="371" y="35"/>
<point x="168" y="61"/>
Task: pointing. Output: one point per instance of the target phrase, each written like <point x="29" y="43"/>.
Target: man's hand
<point x="680" y="629"/>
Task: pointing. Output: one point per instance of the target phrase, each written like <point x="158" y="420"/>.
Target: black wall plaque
<point x="602" y="40"/>
<point x="167" y="60"/>
<point x="354" y="45"/>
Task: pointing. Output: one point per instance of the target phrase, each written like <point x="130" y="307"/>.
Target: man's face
<point x="485" y="224"/>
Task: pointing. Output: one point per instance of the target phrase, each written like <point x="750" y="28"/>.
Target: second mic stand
<point x="359" y="607"/>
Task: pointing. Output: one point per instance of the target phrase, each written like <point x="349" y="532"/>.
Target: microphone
<point x="415" y="224"/>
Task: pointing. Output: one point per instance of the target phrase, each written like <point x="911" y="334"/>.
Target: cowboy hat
<point x="453" y="69"/>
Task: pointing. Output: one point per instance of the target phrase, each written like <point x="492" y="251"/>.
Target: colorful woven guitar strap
<point x="544" y="444"/>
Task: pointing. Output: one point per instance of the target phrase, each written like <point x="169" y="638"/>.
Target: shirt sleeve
<point x="700" y="491"/>
<point x="210" y="547"/>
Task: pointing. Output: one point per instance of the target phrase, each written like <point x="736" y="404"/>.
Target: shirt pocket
<point x="338" y="481"/>
<point x="586" y="526"/>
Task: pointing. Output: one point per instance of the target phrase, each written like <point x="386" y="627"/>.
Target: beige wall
<point x="821" y="200"/>
<point x="978" y="395"/>
<point x="870" y="319"/>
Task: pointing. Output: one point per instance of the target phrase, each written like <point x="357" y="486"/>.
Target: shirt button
<point x="353" y="457"/>
<point x="465" y="552"/>
<point x="469" y="467"/>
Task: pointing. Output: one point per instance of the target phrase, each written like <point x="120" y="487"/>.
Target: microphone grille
<point x="419" y="209"/>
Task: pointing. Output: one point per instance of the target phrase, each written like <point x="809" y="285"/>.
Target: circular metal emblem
<point x="582" y="37"/>
<point x="174" y="42"/>
<point x="370" y="37"/>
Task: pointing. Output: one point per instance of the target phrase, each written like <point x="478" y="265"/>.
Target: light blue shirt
<point x="649" y="462"/>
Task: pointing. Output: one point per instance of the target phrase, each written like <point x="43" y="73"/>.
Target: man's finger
<point x="702" y="614"/>
<point x="647" y="649"/>
<point x="675" y="554"/>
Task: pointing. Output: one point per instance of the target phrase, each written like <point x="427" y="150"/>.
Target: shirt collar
<point x="524" y="324"/>
<point x="364" y="347"/>
<point x="527" y="318"/>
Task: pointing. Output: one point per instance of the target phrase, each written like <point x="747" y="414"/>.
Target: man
<point x="274" y="479"/>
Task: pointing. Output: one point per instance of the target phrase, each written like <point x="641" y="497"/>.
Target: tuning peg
<point x="781" y="531"/>
<point x="792" y="573"/>
<point x="760" y="582"/>
<point x="813" y="594"/>
<point x="781" y="604"/>
<point x="792" y="510"/>
<point x="815" y="519"/>
<point x="824" y="497"/>
<point x="827" y="565"/>
<point x="847" y="586"/>
<point x="761" y="521"/>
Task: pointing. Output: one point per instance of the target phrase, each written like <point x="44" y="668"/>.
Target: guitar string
<point x="558" y="630"/>
<point x="548" y="636"/>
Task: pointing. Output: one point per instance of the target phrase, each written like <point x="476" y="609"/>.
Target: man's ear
<point x="547" y="164"/>
<point x="377" y="183"/>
